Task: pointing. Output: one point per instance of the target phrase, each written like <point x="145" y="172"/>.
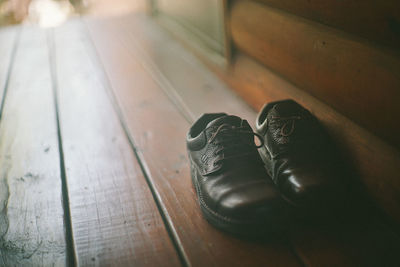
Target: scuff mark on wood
<point x="4" y="197"/>
<point x="34" y="251"/>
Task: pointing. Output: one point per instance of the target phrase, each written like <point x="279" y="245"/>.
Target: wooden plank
<point x="114" y="217"/>
<point x="173" y="67"/>
<point x="31" y="212"/>
<point x="8" y="38"/>
<point x="357" y="79"/>
<point x="159" y="129"/>
<point x="375" y="20"/>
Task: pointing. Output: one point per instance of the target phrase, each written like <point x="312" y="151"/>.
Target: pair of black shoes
<point x="245" y="191"/>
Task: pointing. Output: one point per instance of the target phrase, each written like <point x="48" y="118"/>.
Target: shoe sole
<point x="231" y="225"/>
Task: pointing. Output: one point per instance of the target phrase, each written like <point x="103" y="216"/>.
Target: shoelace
<point x="287" y="120"/>
<point x="234" y="138"/>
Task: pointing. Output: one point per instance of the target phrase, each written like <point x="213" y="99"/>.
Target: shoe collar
<point x="196" y="138"/>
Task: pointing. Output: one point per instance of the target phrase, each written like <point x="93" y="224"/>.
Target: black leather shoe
<point x="234" y="191"/>
<point x="299" y="154"/>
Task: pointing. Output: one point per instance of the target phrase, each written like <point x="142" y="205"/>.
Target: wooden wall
<point x="339" y="59"/>
<point x="358" y="79"/>
<point x="378" y="21"/>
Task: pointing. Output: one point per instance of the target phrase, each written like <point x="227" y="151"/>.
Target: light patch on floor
<point x="49" y="13"/>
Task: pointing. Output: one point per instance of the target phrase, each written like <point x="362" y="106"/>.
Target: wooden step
<point x="375" y="20"/>
<point x="135" y="54"/>
<point x="359" y="80"/>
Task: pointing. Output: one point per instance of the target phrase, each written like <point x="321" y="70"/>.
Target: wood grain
<point x="174" y="68"/>
<point x="359" y="80"/>
<point x="376" y="20"/>
<point x="31" y="212"/>
<point x="114" y="217"/>
<point x="158" y="129"/>
<point x="8" y="37"/>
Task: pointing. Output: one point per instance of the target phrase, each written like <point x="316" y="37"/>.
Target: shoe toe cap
<point x="310" y="187"/>
<point x="253" y="202"/>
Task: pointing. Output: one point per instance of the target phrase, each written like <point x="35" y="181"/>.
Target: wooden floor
<point x="93" y="166"/>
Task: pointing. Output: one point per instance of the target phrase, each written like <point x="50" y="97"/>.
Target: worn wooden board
<point x="183" y="78"/>
<point x="356" y="78"/>
<point x="376" y="20"/>
<point x="115" y="220"/>
<point x="8" y="38"/>
<point x="31" y="212"/>
<point x="158" y="129"/>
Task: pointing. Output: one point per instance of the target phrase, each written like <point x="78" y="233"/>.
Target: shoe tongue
<point x="286" y="109"/>
<point x="231" y="120"/>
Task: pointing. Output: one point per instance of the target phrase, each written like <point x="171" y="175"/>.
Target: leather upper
<point x="229" y="170"/>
